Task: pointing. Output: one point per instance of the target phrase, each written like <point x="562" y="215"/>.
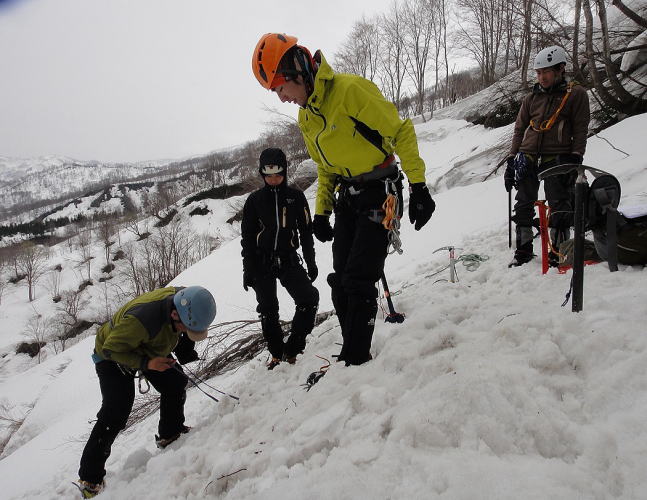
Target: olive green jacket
<point x="139" y="331"/>
<point x="349" y="128"/>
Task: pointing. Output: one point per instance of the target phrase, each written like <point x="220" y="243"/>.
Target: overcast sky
<point x="127" y="80"/>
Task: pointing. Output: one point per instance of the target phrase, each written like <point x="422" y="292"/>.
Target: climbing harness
<point x="314" y="377"/>
<point x="548" y="124"/>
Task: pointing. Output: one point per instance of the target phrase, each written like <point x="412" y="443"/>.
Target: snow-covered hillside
<point x="42" y="182"/>
<point x="488" y="390"/>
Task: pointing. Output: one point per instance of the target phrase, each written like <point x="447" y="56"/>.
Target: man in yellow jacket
<point x="352" y="132"/>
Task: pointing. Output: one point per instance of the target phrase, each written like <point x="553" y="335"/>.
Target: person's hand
<point x="421" y="205"/>
<point x="313" y="272"/>
<point x="248" y="280"/>
<point x="572" y="158"/>
<point x="160" y="364"/>
<point x="508" y="176"/>
<point x="321" y="228"/>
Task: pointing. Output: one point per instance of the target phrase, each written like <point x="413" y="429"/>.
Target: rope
<point x="472" y="261"/>
<point x="391" y="221"/>
<point x="548" y="124"/>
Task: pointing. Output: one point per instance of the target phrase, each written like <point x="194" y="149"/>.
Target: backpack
<point x="618" y="238"/>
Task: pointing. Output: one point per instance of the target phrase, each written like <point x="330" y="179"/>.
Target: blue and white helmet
<point x="197" y="309"/>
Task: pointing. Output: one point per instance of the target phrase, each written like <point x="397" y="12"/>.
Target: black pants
<point x="306" y="299"/>
<point x="118" y="395"/>
<point x="559" y="194"/>
<point x="359" y="251"/>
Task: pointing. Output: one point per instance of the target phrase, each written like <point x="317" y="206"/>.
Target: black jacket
<point x="276" y="220"/>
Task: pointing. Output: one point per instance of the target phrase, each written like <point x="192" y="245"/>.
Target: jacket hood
<point x="324" y="74"/>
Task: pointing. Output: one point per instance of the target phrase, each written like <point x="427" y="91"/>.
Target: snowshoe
<point x="89" y="490"/>
<point x="164" y="442"/>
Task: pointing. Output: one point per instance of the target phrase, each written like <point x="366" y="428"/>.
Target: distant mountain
<point x="30" y="187"/>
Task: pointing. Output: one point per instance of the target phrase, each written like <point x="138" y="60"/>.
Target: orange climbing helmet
<point x="268" y="53"/>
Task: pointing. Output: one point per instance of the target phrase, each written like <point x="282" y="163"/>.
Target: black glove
<point x="321" y="228"/>
<point x="566" y="158"/>
<point x="508" y="176"/>
<point x="185" y="350"/>
<point x="248" y="279"/>
<point x="313" y="272"/>
<point x="421" y="205"/>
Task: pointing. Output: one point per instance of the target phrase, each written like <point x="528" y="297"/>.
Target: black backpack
<point x="618" y="238"/>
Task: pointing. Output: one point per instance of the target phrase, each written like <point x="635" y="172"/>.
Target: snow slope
<point x="488" y="390"/>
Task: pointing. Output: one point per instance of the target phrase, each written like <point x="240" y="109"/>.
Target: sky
<point x="117" y="80"/>
<point x="489" y="389"/>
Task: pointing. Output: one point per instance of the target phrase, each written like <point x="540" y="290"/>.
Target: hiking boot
<point x="89" y="490"/>
<point x="273" y="363"/>
<point x="520" y="258"/>
<point x="291" y="359"/>
<point x="164" y="442"/>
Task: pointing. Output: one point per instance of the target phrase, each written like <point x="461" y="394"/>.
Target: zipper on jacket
<point x="278" y="226"/>
<point x="285" y="209"/>
<point x="325" y="124"/>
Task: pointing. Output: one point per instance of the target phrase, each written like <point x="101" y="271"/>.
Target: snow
<point x="488" y="390"/>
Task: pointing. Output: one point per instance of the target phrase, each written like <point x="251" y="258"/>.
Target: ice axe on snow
<point x="393" y="316"/>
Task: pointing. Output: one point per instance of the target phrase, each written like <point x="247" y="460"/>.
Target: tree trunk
<point x="639" y="20"/>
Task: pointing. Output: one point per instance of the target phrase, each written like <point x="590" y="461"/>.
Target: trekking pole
<point x="510" y="219"/>
<point x="581" y="185"/>
<point x="392" y="317"/>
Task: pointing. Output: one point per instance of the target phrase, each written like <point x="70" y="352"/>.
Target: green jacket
<point x="349" y="128"/>
<point x="140" y="330"/>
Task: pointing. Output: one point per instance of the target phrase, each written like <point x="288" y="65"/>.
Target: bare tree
<point x="35" y="331"/>
<point x="84" y="242"/>
<point x="32" y="264"/>
<point x="54" y="282"/>
<point x="393" y="56"/>
<point x="360" y="53"/>
<point x="481" y="31"/>
<point x="105" y="232"/>
<point x="614" y="96"/>
<point x="418" y="36"/>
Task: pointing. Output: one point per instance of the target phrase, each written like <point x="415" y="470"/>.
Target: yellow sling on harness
<point x="548" y="124"/>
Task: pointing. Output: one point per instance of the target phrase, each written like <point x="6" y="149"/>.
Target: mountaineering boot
<point x="340" y="303"/>
<point x="89" y="490"/>
<point x="360" y="323"/>
<point x="273" y="363"/>
<point x="522" y="255"/>
<point x="164" y="442"/>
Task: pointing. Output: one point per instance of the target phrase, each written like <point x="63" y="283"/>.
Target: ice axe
<point x="393" y="316"/>
<point x="453" y="277"/>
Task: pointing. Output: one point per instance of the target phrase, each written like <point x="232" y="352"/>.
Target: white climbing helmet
<point x="550" y="56"/>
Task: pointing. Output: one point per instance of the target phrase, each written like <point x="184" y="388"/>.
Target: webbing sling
<point x="548" y="124"/>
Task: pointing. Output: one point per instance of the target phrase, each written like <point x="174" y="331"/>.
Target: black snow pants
<point x="559" y="194"/>
<point x="294" y="279"/>
<point x="359" y="249"/>
<point x="118" y="395"/>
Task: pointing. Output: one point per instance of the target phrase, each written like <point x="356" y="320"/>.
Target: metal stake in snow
<point x="452" y="261"/>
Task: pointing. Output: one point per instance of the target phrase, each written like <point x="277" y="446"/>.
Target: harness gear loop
<point x="548" y="124"/>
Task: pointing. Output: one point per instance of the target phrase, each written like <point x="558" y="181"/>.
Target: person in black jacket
<point x="276" y="219"/>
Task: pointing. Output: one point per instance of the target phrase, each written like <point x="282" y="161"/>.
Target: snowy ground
<point x="489" y="390"/>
